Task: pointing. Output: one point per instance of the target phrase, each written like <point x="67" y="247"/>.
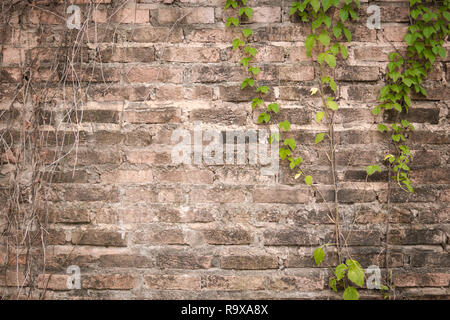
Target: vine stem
<point x="332" y="159"/>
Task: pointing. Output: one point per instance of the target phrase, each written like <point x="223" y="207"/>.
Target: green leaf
<point x="376" y="110"/>
<point x="252" y="51"/>
<point x="337" y="31"/>
<point x="319" y="137"/>
<point x="330" y="60"/>
<point x="319" y="254"/>
<point x="333" y="85"/>
<point x="232" y="20"/>
<point x="254" y="70"/>
<point x="247" y="32"/>
<point x="332" y="105"/>
<point x="351" y="294"/>
<point x="256" y="102"/>
<point x="344" y="51"/>
<point x="263" y="89"/>
<point x="409" y="39"/>
<point x="428" y="31"/>
<point x="237" y="43"/>
<point x="332" y="284"/>
<point x="348" y="35"/>
<point x="315" y="4"/>
<point x="247" y="11"/>
<point x="284" y="152"/>
<point x="324" y="38"/>
<point x="290" y="143"/>
<point x="286" y="125"/>
<point x="274" y="107"/>
<point x="372" y="169"/>
<point x="326" y="4"/>
<point x="343" y="13"/>
<point x="263" y="117"/>
<point x="309" y="44"/>
<point x="319" y="116"/>
<point x="308" y="180"/>
<point x="247" y="82"/>
<point x="340" y="271"/>
<point x="382" y="128"/>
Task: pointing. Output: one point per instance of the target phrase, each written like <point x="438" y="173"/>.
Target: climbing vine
<point x="425" y="39"/>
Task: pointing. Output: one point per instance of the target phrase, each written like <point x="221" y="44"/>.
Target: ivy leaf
<point x="246" y="61"/>
<point x="315" y="4"/>
<point x="351" y="294"/>
<point x="355" y="272"/>
<point x="232" y="20"/>
<point x="332" y="284"/>
<point x="340" y="270"/>
<point x="252" y="51"/>
<point x="382" y="128"/>
<point x="263" y="89"/>
<point x="319" y="254"/>
<point x="337" y="31"/>
<point x="263" y="117"/>
<point x="308" y="180"/>
<point x="284" y="152"/>
<point x="348" y="35"/>
<point x="372" y="169"/>
<point x="309" y="44"/>
<point x="247" y="32"/>
<point x="247" y="11"/>
<point x="275" y="107"/>
<point x="256" y="102"/>
<point x="343" y="13"/>
<point x="428" y="31"/>
<point x="319" y="137"/>
<point x="332" y="105"/>
<point x="409" y="39"/>
<point x="319" y="116"/>
<point x="324" y="38"/>
<point x="237" y="43"/>
<point x="247" y="82"/>
<point x="344" y="51"/>
<point x="290" y="143"/>
<point x="286" y="125"/>
<point x="254" y="70"/>
<point x="330" y="60"/>
<point x="327" y="4"/>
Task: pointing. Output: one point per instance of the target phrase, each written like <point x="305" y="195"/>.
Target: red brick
<point x="217" y="282"/>
<point x="127" y="176"/>
<point x="160" y="115"/>
<point x="172" y="282"/>
<point x="109" y="282"/>
<point x="191" y="54"/>
<point x="154" y="74"/>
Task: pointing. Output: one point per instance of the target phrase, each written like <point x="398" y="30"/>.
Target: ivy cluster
<point x="425" y="39"/>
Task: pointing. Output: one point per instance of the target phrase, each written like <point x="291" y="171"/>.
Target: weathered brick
<point x="172" y="282"/>
<point x="191" y="54"/>
<point x="281" y="195"/>
<point x="158" y="235"/>
<point x="109" y="281"/>
<point x="127" y="176"/>
<point x="144" y="74"/>
<point x="217" y="282"/>
<point x="95" y="237"/>
<point x="227" y="236"/>
<point x="183" y="176"/>
<point x="249" y="262"/>
<point x="160" y="115"/>
<point x="297" y="73"/>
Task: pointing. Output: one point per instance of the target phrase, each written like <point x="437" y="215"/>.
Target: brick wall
<point x="140" y="226"/>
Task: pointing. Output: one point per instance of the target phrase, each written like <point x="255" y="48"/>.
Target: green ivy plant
<point x="425" y="39"/>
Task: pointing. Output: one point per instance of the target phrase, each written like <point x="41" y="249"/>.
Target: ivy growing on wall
<point x="329" y="22"/>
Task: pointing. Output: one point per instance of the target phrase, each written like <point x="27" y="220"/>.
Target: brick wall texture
<point x="140" y="226"/>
